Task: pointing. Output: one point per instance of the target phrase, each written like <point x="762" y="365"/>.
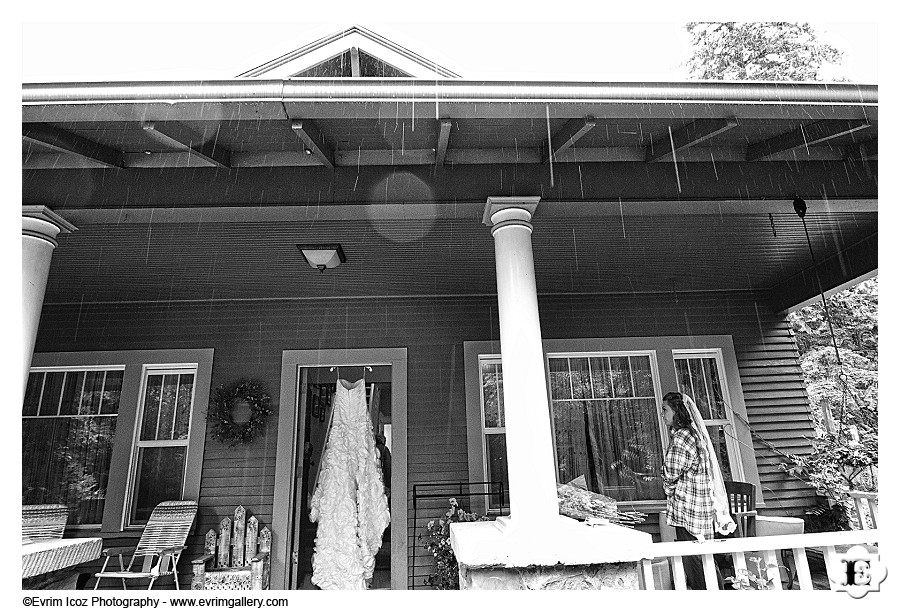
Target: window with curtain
<point x="699" y="376"/>
<point x="68" y="428"/>
<point x="606" y="424"/>
<point x="605" y="420"/>
<point x="161" y="447"/>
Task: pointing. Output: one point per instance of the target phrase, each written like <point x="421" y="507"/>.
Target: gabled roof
<point x="354" y="51"/>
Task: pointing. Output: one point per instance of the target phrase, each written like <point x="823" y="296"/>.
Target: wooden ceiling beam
<point x="67" y="142"/>
<point x="567" y="136"/>
<point x="804" y="136"/>
<point x="179" y="136"/>
<point x="33" y="160"/>
<point x="440" y="150"/>
<point x="314" y="140"/>
<point x="687" y="136"/>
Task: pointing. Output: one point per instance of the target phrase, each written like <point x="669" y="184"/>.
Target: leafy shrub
<point x="436" y="540"/>
<point x="761" y="580"/>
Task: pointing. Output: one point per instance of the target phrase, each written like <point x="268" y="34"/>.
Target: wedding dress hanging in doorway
<point x="349" y="502"/>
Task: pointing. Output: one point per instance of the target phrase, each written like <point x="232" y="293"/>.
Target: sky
<point x="486" y="43"/>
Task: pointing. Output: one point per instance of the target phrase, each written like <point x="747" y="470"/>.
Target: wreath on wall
<point x="238" y="412"/>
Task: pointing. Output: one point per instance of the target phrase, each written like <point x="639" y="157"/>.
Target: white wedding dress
<point x="349" y="502"/>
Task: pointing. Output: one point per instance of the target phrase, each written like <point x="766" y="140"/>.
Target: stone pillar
<point x="40" y="226"/>
<point x="529" y="438"/>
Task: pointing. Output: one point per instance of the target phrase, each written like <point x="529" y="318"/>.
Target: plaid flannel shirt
<point x="689" y="503"/>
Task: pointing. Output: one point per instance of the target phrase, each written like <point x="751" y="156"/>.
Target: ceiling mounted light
<point x="322" y="256"/>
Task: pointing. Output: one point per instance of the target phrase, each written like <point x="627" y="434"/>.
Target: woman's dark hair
<point x="682" y="418"/>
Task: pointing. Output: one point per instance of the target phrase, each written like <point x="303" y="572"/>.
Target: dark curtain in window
<point x="66" y="460"/>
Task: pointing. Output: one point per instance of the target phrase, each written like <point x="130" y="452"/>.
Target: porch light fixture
<point x="322" y="256"/>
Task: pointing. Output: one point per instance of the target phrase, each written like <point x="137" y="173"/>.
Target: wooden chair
<point x="43" y="522"/>
<point x="160" y="546"/>
<point x="742" y="504"/>
<point x="238" y="553"/>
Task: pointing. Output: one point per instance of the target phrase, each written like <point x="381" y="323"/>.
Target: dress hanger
<point x="338" y="368"/>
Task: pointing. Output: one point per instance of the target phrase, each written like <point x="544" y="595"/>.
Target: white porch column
<point x="40" y="226"/>
<point x="535" y="547"/>
<point x="529" y="437"/>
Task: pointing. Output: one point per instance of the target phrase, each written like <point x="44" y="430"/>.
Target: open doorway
<point x="287" y="514"/>
<point x="316" y="389"/>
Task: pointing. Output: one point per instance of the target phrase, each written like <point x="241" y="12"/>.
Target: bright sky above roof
<point x="486" y="43"/>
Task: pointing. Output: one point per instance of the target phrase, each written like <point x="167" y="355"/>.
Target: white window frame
<point x="137" y="444"/>
<point x="664" y="349"/>
<point x="68" y="369"/>
<point x="116" y="512"/>
<point x="486" y="431"/>
<point x="731" y="441"/>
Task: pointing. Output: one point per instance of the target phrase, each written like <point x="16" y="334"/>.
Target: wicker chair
<point x="43" y="522"/>
<point x="160" y="546"/>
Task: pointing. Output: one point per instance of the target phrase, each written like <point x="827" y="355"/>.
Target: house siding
<point x="249" y="336"/>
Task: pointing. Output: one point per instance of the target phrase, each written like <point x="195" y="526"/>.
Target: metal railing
<point x="423" y="492"/>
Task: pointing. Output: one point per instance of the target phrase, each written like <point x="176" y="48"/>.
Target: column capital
<point x="40" y="222"/>
<point x="41" y="212"/>
<point x="495" y="204"/>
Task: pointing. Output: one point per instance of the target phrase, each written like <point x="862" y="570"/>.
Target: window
<point x="604" y="396"/>
<point x="68" y="427"/>
<point x="161" y="447"/>
<point x="607" y="434"/>
<point x="606" y="426"/>
<point x="494" y="428"/>
<point x="699" y="377"/>
<point x="112" y="441"/>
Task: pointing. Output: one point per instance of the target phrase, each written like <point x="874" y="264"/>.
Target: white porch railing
<point x="764" y="547"/>
<point x="866" y="505"/>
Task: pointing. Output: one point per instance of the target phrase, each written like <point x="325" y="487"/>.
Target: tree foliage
<point x="851" y="388"/>
<point x="840" y="462"/>
<point x="758" y="51"/>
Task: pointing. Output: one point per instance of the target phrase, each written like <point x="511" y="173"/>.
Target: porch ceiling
<point x="399" y="122"/>
<point x="198" y="260"/>
<point x="201" y="190"/>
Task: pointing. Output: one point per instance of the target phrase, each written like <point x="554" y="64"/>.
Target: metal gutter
<point x="418" y="90"/>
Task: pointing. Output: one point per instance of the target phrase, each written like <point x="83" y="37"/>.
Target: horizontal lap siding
<point x="249" y="337"/>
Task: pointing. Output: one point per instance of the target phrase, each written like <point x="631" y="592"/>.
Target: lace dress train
<point x="349" y="502"/>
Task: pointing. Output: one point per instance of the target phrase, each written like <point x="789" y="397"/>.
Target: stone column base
<point x="559" y="553"/>
<point x="620" y="576"/>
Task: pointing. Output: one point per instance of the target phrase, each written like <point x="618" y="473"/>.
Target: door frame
<point x="287" y="452"/>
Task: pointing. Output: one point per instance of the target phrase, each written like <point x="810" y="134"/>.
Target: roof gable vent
<point x="354" y="52"/>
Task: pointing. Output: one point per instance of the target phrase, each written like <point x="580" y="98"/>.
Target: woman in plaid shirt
<point x="689" y="503"/>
